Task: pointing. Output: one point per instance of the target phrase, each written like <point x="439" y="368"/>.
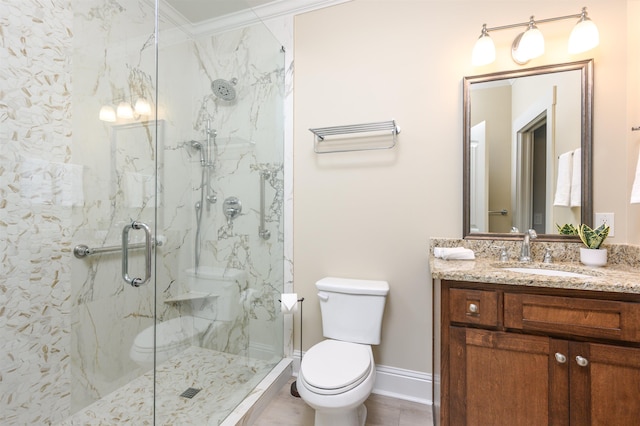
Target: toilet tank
<point x="352" y="309"/>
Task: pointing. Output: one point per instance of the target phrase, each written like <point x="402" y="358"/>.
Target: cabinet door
<point x="605" y="385"/>
<point x="499" y="378"/>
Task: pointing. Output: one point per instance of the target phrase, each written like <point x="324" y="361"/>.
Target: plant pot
<point x="593" y="257"/>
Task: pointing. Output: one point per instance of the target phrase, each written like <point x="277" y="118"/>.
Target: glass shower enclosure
<point x="142" y="206"/>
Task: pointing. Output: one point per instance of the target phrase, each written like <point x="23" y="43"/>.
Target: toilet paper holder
<point x="294" y="386"/>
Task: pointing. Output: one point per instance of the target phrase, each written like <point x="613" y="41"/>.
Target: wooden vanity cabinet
<point x="513" y="355"/>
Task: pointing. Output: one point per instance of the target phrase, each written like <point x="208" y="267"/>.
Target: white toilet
<point x="212" y="294"/>
<point x="337" y="375"/>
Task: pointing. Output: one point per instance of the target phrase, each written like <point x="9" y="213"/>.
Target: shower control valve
<point x="231" y="208"/>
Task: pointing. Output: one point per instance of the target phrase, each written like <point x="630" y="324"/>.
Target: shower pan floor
<point x="224" y="381"/>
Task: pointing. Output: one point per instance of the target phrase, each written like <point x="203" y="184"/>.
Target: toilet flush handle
<point x="323" y="296"/>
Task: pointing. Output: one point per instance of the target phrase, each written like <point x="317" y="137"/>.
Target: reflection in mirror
<point x="527" y="150"/>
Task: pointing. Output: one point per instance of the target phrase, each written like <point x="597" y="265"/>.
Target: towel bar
<point x="370" y="129"/>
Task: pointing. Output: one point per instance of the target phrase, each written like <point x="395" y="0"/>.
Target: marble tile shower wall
<point x="35" y="211"/>
<point x="68" y="324"/>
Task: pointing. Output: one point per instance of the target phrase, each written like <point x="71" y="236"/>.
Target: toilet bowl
<point x="338" y="374"/>
<point x="338" y="392"/>
<point x="172" y="337"/>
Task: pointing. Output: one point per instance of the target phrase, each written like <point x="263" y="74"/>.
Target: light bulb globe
<point x="484" y="51"/>
<point x="532" y="43"/>
<point x="584" y="36"/>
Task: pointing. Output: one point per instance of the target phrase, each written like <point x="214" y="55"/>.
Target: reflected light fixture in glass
<point x="142" y="107"/>
<point x="124" y="110"/>
<point x="107" y="113"/>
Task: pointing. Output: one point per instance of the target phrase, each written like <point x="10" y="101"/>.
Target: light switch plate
<point x="607" y="218"/>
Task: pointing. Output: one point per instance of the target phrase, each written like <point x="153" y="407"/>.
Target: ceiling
<point x="202" y="10"/>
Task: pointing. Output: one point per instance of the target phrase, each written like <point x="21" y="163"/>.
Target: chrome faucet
<point x="525" y="252"/>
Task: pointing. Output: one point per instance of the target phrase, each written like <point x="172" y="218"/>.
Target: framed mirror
<point x="527" y="157"/>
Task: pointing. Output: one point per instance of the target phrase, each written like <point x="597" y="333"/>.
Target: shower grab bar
<point x="136" y="282"/>
<point x="383" y="126"/>
<point x="82" y="250"/>
<point x="262" y="230"/>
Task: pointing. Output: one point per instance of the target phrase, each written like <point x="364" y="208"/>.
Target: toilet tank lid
<point x="353" y="286"/>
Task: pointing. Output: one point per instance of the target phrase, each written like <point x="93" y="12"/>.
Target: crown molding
<point x="232" y="21"/>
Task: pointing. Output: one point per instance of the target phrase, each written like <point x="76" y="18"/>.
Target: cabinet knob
<point x="561" y="358"/>
<point x="473" y="308"/>
<point x="582" y="362"/>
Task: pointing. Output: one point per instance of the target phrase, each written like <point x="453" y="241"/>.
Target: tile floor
<point x="286" y="410"/>
<point x="224" y="379"/>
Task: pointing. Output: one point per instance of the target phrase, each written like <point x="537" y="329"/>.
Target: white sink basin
<point x="548" y="272"/>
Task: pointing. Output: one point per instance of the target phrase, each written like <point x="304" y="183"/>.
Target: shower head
<point x="198" y="145"/>
<point x="224" y="89"/>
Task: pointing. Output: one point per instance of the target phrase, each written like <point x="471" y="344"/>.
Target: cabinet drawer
<point x="573" y="316"/>
<point x="473" y="306"/>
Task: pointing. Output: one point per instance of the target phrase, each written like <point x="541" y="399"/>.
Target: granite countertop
<point x="617" y="277"/>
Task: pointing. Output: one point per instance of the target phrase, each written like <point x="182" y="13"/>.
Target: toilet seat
<point x="174" y="333"/>
<point x="332" y="367"/>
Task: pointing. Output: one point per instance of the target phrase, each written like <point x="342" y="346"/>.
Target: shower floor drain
<point x="190" y="393"/>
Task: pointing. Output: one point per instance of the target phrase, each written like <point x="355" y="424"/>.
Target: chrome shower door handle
<point x="136" y="282"/>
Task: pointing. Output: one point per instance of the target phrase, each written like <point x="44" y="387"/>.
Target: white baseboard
<point x="408" y="385"/>
<point x="404" y="384"/>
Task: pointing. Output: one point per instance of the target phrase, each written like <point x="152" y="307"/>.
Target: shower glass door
<point x="179" y="128"/>
<point x="118" y="141"/>
<point x="221" y="91"/>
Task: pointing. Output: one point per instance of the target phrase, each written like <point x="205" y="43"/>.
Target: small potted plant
<point x="593" y="255"/>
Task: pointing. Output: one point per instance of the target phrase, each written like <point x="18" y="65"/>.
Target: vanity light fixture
<point x="530" y="43"/>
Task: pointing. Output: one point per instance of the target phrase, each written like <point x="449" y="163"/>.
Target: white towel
<point x="576" y="179"/>
<point x="454" y="253"/>
<point x="635" y="189"/>
<point x="563" y="185"/>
